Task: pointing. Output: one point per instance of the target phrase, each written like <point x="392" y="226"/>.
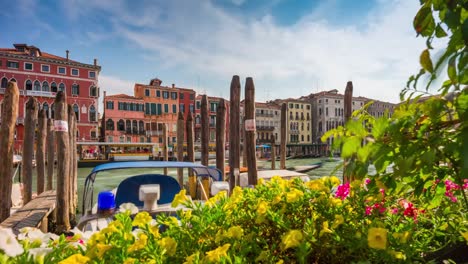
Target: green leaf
<point x="452" y="19"/>
<point x="440" y="32"/>
<point x="423" y="22"/>
<point x="452" y="70"/>
<point x="465" y="31"/>
<point x="379" y="127"/>
<point x="426" y="62"/>
<point x="350" y="146"/>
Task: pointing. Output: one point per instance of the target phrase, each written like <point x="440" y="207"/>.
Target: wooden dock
<point x="33" y="214"/>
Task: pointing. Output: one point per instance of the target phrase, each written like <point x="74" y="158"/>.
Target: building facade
<point x="124" y="119"/>
<point x="41" y="75"/>
<point x="267" y="122"/>
<point x="213" y="103"/>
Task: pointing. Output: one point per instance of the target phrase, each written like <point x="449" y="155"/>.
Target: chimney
<point x="67" y="51"/>
<point x="95" y="62"/>
<point x="173" y="85"/>
<point x="104" y="94"/>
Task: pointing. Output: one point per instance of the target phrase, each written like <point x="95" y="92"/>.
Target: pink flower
<point x="367" y="181"/>
<point x="342" y="191"/>
<point x="368" y="210"/>
<point x="394" y="210"/>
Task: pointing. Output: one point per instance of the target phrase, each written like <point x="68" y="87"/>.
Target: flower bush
<point x="280" y="221"/>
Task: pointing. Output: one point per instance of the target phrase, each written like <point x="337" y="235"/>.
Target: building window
<point x="4" y="83"/>
<point x="153" y="109"/>
<point x="181" y="96"/>
<point x="166" y="108"/>
<point x="174" y="95"/>
<point x="110" y="124"/>
<point x="141" y="127"/>
<point x="326" y="111"/>
<point x="92" y="74"/>
<point x="110" y="105"/>
<point x="174" y="109"/>
<point x="291" y="106"/>
<point x="45" y="86"/>
<point x="53" y="87"/>
<point x="213" y="107"/>
<point x="147" y="92"/>
<point x="12" y="64"/>
<point x="198" y="105"/>
<point x="28" y="66"/>
<point x="75" y="72"/>
<point x="75" y="89"/>
<point x="45" y="68"/>
<point x="62" y="70"/>
<point x="158" y="93"/>
<point x="128" y="126"/>
<point x="93" y="91"/>
<point x="192" y="97"/>
<point x="37" y="86"/>
<point x="62" y="87"/>
<point x="121" y="125"/>
<point x="76" y="109"/>
<point x="92" y="113"/>
<point x="93" y="134"/>
<point x="297" y="106"/>
<point x="52" y="111"/>
<point x="165" y="94"/>
<point x="45" y="107"/>
<point x="28" y="85"/>
<point x="182" y="108"/>
<point x="121" y="139"/>
<point x="135" y="127"/>
<point x="191" y="108"/>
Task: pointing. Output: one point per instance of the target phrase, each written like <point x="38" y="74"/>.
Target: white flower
<point x="9" y="244"/>
<point x="34" y="235"/>
<point x="39" y="253"/>
<point x="128" y="207"/>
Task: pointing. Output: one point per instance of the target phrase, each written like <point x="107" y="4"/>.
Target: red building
<point x="41" y="75"/>
<point x="124" y="118"/>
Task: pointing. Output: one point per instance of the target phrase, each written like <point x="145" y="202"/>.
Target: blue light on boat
<point x="106" y="200"/>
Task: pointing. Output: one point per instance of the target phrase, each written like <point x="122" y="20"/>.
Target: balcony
<point x="266" y="128"/>
<point x="40" y="93"/>
<point x="263" y="115"/>
<point x="294" y="132"/>
<point x="151" y="133"/>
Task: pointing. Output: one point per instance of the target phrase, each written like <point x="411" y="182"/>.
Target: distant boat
<point x="306" y="168"/>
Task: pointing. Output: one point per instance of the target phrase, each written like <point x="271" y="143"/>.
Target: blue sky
<point x="290" y="48"/>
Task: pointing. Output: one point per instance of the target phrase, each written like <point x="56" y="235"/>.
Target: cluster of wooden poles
<point x="56" y="138"/>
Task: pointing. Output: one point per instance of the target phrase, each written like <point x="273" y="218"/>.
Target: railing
<point x="154" y="133"/>
<point x="40" y="93"/>
<point x="266" y="128"/>
<point x="294" y="132"/>
<point x="264" y="115"/>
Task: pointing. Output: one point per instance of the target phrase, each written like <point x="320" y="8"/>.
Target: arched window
<point x="28" y="85"/>
<point x="92" y="113"/>
<point x="52" y="111"/>
<point x="53" y="87"/>
<point x="110" y="124"/>
<point x="93" y="91"/>
<point x="45" y="106"/>
<point x="128" y="125"/>
<point x="37" y="86"/>
<point x="75" y="89"/>
<point x="121" y="125"/>
<point x="61" y="87"/>
<point x="12" y="80"/>
<point x="4" y="83"/>
<point x="76" y="109"/>
<point x="45" y="87"/>
<point x="135" y="127"/>
<point x="141" y="127"/>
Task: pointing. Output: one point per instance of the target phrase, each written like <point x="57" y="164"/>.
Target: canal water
<point x="110" y="180"/>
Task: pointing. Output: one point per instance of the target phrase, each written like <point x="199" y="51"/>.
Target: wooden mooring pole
<point x="50" y="154"/>
<point x="234" y="132"/>
<point x="273" y="152"/>
<point x="205" y="130"/>
<point x="63" y="162"/>
<point x="9" y="111"/>
<point x="283" y="137"/>
<point x="191" y="155"/>
<point x="165" y="148"/>
<point x="221" y="136"/>
<point x="40" y="150"/>
<point x="72" y="159"/>
<point x="250" y="131"/>
<point x="348" y="110"/>
<point x="180" y="146"/>
<point x="28" y="147"/>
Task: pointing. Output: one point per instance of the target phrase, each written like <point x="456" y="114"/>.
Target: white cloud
<point x="113" y="85"/>
<point x="204" y="38"/>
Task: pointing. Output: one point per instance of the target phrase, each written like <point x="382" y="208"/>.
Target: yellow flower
<point x="277" y="199"/>
<point x="465" y="235"/>
<point x="397" y="254"/>
<point x="236" y="194"/>
<point x="260" y="181"/>
<point x="169" y="244"/>
<point x="155" y="231"/>
<point x="325" y="229"/>
<point x="216" y="254"/>
<point x="179" y="198"/>
<point x="294" y="195"/>
<point x="262" y="208"/>
<point x="95" y="239"/>
<point x="280" y="261"/>
<point x="139" y="244"/>
<point x="191" y="259"/>
<point x="75" y="259"/>
<point x="292" y="239"/>
<point x="336" y="201"/>
<point x="403" y="237"/>
<point x="129" y="261"/>
<point x="377" y="238"/>
<point x="187" y="214"/>
<point x="339" y="219"/>
<point x="316" y="185"/>
<point x="235" y="232"/>
<point x="335" y="181"/>
<point x="98" y="251"/>
<point x="141" y="219"/>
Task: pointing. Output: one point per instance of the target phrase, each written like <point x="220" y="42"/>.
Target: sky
<point x="289" y="47"/>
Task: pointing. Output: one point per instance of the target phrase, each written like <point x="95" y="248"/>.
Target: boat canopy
<point x="198" y="169"/>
